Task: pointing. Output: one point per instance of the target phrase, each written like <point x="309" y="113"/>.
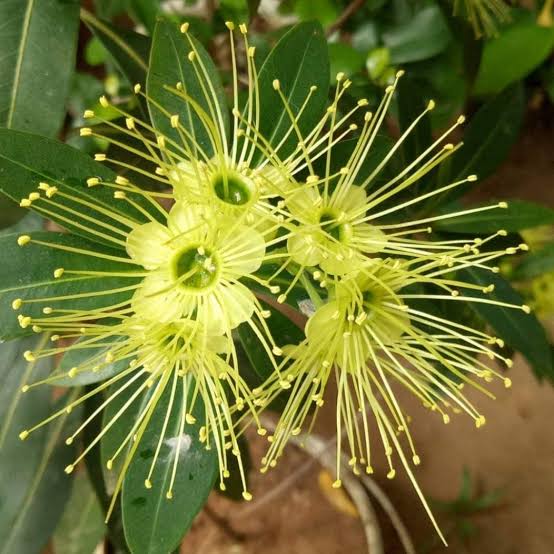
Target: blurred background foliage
<point x="58" y="56"/>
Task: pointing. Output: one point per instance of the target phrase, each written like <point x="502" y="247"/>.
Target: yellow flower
<point x="195" y="262"/>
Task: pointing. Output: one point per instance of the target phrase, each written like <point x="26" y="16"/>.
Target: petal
<point x="147" y="244"/>
<point x="319" y="324"/>
<point x="188" y="220"/>
<point x="353" y="201"/>
<point x="242" y="252"/>
<point x="157" y="300"/>
<point x="304" y="249"/>
<point x="304" y="203"/>
<point x="235" y="305"/>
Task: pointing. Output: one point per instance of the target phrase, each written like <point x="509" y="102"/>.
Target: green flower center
<point x="331" y="223"/>
<point x="232" y="189"/>
<point x="195" y="268"/>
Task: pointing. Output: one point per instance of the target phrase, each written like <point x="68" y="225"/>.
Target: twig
<point x="348" y="12"/>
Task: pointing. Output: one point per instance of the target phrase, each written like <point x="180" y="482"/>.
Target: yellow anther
<point x="251" y="51"/>
<point x="461" y="119"/>
<point x="277" y="351"/>
<point x="47" y="310"/>
<point x="23" y="240"/>
<point x="243" y="28"/>
<point x="119" y="195"/>
<point x="72" y="372"/>
<point x="185" y="27"/>
<point x="391" y="474"/>
<point x="109" y="464"/>
<point x="160" y="141"/>
<point x="16" y="304"/>
<point x="431" y="105"/>
<point x="25" y="388"/>
<point x="472" y="178"/>
<point x="88" y="114"/>
<point x="51" y="191"/>
<point x="230" y="25"/>
<point x="174" y="119"/>
<point x="276" y="84"/>
<point x="85" y="131"/>
<point x="25" y="203"/>
<point x="130" y="123"/>
<point x="29" y="356"/>
<point x="69" y="441"/>
<point x="247" y="496"/>
<point x="43" y="186"/>
<point x="103" y="101"/>
<point x="121" y="180"/>
<point x="191" y="56"/>
<point x="337" y="484"/>
<point x="23" y="435"/>
<point x="69" y="469"/>
<point x="93" y="181"/>
<point x="190" y="419"/>
<point x="526" y="309"/>
<point x="169" y="495"/>
<point x="137" y="88"/>
<point x="148" y="483"/>
<point x="416" y="460"/>
<point x="503" y="205"/>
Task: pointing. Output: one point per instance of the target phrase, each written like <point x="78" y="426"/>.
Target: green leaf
<point x="154" y="524"/>
<point x="520" y="330"/>
<point x="89" y="357"/>
<point x="14" y="219"/>
<point x="411" y="103"/>
<point x="82" y="525"/>
<point x="517" y="216"/>
<point x="345" y="59"/>
<point x="253" y="6"/>
<point x="535" y="264"/>
<point x="169" y="64"/>
<point x="29" y="275"/>
<point x="129" y="50"/>
<point x="146" y="12"/>
<point x="26" y="160"/>
<point x="34" y="488"/>
<point x="488" y="138"/>
<point x="424" y="36"/>
<point x="520" y="48"/>
<point x="324" y="11"/>
<point x="37" y="51"/>
<point x="233" y="485"/>
<point x="299" y="61"/>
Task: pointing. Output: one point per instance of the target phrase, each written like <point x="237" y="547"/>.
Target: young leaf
<point x="299" y="61"/>
<point x="26" y="160"/>
<point x="154" y="524"/>
<point x="535" y="264"/>
<point x="520" y="330"/>
<point x="34" y="488"/>
<point x="517" y="216"/>
<point x="169" y="65"/>
<point x="37" y="51"/>
<point x="27" y="273"/>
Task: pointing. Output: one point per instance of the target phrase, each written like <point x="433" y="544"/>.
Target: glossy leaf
<point x="169" y="64"/>
<point x="146" y="12"/>
<point x="520" y="330"/>
<point x="488" y="138"/>
<point x="129" y="50"/>
<point x="34" y="487"/>
<point x="153" y="524"/>
<point x="535" y="264"/>
<point x="520" y="48"/>
<point x="517" y="216"/>
<point x="89" y="357"/>
<point x="82" y="525"/>
<point x="26" y="160"/>
<point x="299" y="61"/>
<point x="29" y="275"/>
<point x="424" y="36"/>
<point x="37" y="51"/>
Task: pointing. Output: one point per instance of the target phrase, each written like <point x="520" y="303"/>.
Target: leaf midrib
<point x="19" y="63"/>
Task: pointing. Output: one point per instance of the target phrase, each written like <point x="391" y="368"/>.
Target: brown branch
<point x="348" y="12"/>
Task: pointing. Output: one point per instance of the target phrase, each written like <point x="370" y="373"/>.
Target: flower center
<point x="196" y="268"/>
<point x="331" y="224"/>
<point x="233" y="189"/>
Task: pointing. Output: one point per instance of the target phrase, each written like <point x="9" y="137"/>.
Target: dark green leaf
<point x="88" y="358"/>
<point x="233" y="485"/>
<point x="424" y="36"/>
<point x="34" y="488"/>
<point x="28" y="273"/>
<point x="253" y="6"/>
<point x="26" y="160"/>
<point x="37" y="50"/>
<point x="299" y="61"/>
<point x="169" y="64"/>
<point x="518" y="329"/>
<point x="129" y="50"/>
<point x="324" y="11"/>
<point x="154" y="524"/>
<point x="488" y="138"/>
<point x="82" y="525"/>
<point x="411" y="103"/>
<point x="344" y="59"/>
<point x="511" y="56"/>
<point x="146" y="12"/>
<point x="517" y="216"/>
<point x="14" y="219"/>
<point x="535" y="264"/>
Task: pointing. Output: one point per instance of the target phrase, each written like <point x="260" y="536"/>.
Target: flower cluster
<point x="234" y="221"/>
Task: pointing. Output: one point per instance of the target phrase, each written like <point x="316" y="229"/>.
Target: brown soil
<point x="514" y="452"/>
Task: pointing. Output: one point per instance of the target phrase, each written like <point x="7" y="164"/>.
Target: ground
<point x="513" y="452"/>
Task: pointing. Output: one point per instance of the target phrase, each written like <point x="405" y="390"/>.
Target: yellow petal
<point x="147" y="244"/>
